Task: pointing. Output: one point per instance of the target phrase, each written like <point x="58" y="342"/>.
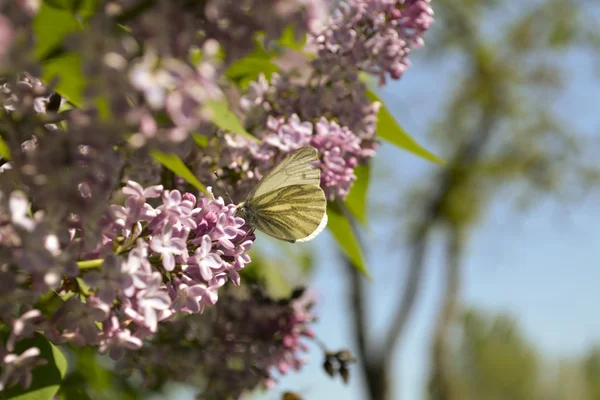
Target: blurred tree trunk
<point x="441" y="384"/>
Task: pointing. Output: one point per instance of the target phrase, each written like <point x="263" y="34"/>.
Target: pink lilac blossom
<point x="340" y="153"/>
<point x="200" y="242"/>
<point x="244" y="342"/>
<point x="333" y="92"/>
<point x="157" y="254"/>
<point x="16" y="368"/>
<point x="339" y="148"/>
<point x="375" y="36"/>
<point x="180" y="89"/>
<point x="236" y="23"/>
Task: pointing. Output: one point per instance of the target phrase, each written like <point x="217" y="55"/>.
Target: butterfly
<point x="288" y="203"/>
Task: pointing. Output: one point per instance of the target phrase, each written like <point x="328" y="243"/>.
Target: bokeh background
<point x="486" y="270"/>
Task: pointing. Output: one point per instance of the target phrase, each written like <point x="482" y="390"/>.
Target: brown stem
<point x="373" y="370"/>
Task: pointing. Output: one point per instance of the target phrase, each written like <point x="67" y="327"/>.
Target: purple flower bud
<point x="24" y="327"/>
<point x="116" y="339"/>
<point x="17" y="368"/>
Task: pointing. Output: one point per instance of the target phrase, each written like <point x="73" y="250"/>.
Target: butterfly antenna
<point x="223" y="185"/>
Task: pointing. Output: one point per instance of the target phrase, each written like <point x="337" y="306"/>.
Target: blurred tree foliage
<point x="493" y="360"/>
<point x="499" y="129"/>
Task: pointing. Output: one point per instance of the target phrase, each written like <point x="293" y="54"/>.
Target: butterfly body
<point x="288" y="203"/>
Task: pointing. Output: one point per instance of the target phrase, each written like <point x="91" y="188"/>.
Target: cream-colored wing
<point x="292" y="213"/>
<point x="295" y="169"/>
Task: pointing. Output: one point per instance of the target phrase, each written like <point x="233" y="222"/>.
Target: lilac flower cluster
<point x="376" y="36"/>
<point x="178" y="88"/>
<point x="16" y="36"/>
<point x="241" y="163"/>
<point x="30" y="265"/>
<point x="173" y="27"/>
<point x="236" y="23"/>
<point x="369" y="36"/>
<point x="155" y="262"/>
<point x="339" y="147"/>
<point x="86" y="261"/>
<point x="244" y="343"/>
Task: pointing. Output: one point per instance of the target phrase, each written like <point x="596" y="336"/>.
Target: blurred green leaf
<point x="71" y="81"/>
<point x="248" y="69"/>
<point x="4" y="150"/>
<point x="46" y="379"/>
<point x="51" y="25"/>
<point x="343" y="233"/>
<point x="356" y="201"/>
<point x="266" y="271"/>
<point x="175" y="165"/>
<point x="288" y="39"/>
<point x="84" y="8"/>
<point x="94" y="379"/>
<point x="73" y="388"/>
<point x="225" y="119"/>
<point x="200" y="140"/>
<point x="389" y="129"/>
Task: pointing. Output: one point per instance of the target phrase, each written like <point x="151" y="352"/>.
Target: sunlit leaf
<point x="200" y="140"/>
<point x="389" y="129"/>
<point x="288" y="39"/>
<point x="4" y="150"/>
<point x="83" y="8"/>
<point x="71" y="81"/>
<point x="356" y="201"/>
<point x="249" y="68"/>
<point x="51" y="25"/>
<point x="46" y="379"/>
<point x="343" y="233"/>
<point x="175" y="165"/>
<point x="225" y="119"/>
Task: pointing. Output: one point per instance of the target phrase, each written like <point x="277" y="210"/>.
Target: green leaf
<point x="201" y="140"/>
<point x="389" y="129"/>
<point x="175" y="165"/>
<point x="356" y="201"/>
<point x="344" y="234"/>
<point x="47" y="378"/>
<point x="249" y="68"/>
<point x="4" y="150"/>
<point x="93" y="380"/>
<point x="84" y="8"/>
<point x="225" y="119"/>
<point x="51" y="25"/>
<point x="288" y="39"/>
<point x="73" y="388"/>
<point x="71" y="81"/>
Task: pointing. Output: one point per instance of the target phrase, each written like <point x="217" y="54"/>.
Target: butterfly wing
<point x="294" y="213"/>
<point x="295" y="169"/>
